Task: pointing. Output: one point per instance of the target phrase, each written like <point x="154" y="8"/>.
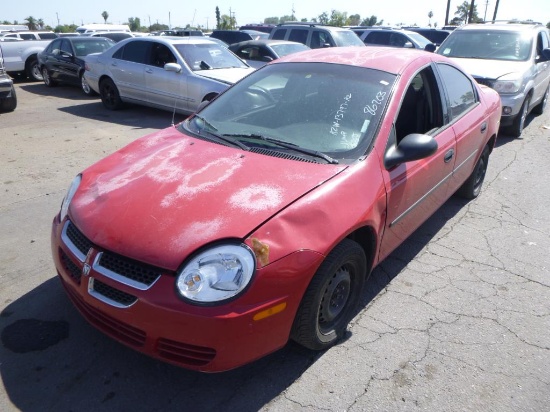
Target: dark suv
<point x="510" y="57"/>
<point x="8" y="99"/>
<point x="315" y="35"/>
<point x="379" y="36"/>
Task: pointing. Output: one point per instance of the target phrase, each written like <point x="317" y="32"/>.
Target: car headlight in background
<point x="217" y="274"/>
<point x="508" y="84"/>
<point x="69" y="196"/>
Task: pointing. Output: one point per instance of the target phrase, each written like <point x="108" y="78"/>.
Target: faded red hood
<point x="167" y="194"/>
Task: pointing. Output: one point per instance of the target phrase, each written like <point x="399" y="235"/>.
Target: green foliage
<point x="462" y="12"/>
<point x="372" y="21"/>
<point x="65" y="28"/>
<point x="284" y="19"/>
<point x="227" y="23"/>
<point x="157" y="27"/>
<point x="218" y="18"/>
<point x="105" y="16"/>
<point x="323" y="18"/>
<point x="271" y="20"/>
<point x="134" y="23"/>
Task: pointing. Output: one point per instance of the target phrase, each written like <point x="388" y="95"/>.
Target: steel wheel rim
<point x="334" y="300"/>
<point x="85" y="85"/>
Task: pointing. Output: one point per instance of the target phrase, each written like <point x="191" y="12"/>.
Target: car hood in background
<point x="164" y="196"/>
<point x="230" y="76"/>
<point x="491" y="69"/>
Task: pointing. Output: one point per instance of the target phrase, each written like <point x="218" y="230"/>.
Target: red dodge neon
<point x="258" y="219"/>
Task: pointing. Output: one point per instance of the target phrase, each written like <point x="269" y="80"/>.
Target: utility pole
<point x="496" y="9"/>
<point x="57" y="14"/>
<point x="485" y="15"/>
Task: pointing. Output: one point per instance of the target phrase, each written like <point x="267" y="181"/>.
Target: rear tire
<point x="110" y="95"/>
<point x="331" y="298"/>
<point x="32" y="69"/>
<point x="8" y="104"/>
<point x="471" y="188"/>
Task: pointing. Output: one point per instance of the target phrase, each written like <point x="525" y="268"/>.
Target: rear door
<point x="128" y="70"/>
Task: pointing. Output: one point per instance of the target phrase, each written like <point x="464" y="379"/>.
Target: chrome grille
<point x="110" y="295"/>
<point x="78" y="239"/>
<point x="128" y="268"/>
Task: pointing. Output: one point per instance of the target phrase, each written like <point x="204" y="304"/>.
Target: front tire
<point x="519" y="122"/>
<point x="48" y="81"/>
<point x="8" y="104"/>
<point x="331" y="298"/>
<point x="471" y="188"/>
<point x="539" y="108"/>
<point x="110" y="95"/>
<point x="88" y="91"/>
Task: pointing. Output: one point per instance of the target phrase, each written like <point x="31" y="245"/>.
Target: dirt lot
<point x="458" y="318"/>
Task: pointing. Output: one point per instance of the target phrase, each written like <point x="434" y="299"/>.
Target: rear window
<point x="47" y="36"/>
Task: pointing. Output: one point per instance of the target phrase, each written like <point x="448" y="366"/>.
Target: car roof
<point x="171" y="40"/>
<point x="504" y="26"/>
<point x="379" y="58"/>
<point x="262" y="42"/>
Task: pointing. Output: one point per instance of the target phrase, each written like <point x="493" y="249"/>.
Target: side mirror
<point x="66" y="55"/>
<point x="172" y="67"/>
<point x="325" y="45"/>
<point x="408" y="45"/>
<point x="430" y="47"/>
<point x="412" y="147"/>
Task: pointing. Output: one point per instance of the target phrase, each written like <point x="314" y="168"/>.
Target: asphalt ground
<point x="456" y="319"/>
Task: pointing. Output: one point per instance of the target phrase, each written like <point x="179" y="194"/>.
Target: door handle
<point x="449" y="155"/>
<point x="483" y="127"/>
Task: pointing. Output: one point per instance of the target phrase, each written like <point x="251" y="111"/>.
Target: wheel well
<point x="30" y="59"/>
<point x="209" y="97"/>
<point x="366" y="238"/>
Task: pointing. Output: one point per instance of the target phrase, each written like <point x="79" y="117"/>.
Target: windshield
<point x="486" y="44"/>
<point x="284" y="49"/>
<point x="347" y="38"/>
<point x="327" y="108"/>
<point x="208" y="56"/>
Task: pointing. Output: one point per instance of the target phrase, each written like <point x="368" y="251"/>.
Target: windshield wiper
<point x="225" y="138"/>
<point x="287" y="145"/>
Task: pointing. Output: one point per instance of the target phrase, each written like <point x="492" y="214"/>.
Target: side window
<point x="279" y="34"/>
<point x="53" y="47"/>
<point x="66" y="47"/>
<point x="421" y="108"/>
<point x="397" y="40"/>
<point x="136" y="52"/>
<point x="298" y="35"/>
<point x="27" y="36"/>
<point x="542" y="42"/>
<point x="461" y="93"/>
<point x="160" y="55"/>
<point x="320" y="38"/>
<point x="378" y="37"/>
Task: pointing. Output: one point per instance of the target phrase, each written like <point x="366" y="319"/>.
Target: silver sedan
<point x="169" y="73"/>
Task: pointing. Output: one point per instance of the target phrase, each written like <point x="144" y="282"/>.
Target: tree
<point x="134" y="23"/>
<point x="372" y="21"/>
<point x="462" y="12"/>
<point x="271" y="20"/>
<point x="40" y="23"/>
<point x="430" y="15"/>
<point x="353" y="20"/>
<point x="286" y="18"/>
<point x="337" y="18"/>
<point x="105" y="16"/>
<point x="218" y="18"/>
<point x="31" y="22"/>
<point x="227" y="23"/>
<point x="323" y="18"/>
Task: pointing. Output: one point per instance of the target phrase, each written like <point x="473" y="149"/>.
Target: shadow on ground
<point x="52" y="360"/>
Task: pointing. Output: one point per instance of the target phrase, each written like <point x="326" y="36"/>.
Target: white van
<point x="91" y="28"/>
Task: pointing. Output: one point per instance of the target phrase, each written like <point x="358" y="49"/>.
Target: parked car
<point x="257" y="53"/>
<point x="28" y="35"/>
<point x="258" y="219"/>
<point x="176" y="74"/>
<point x="512" y="58"/>
<point x="8" y="97"/>
<point x="63" y="60"/>
<point x="315" y="35"/>
<point x="20" y="57"/>
<point x="266" y="28"/>
<point x="436" y="36"/>
<point x="115" y="36"/>
<point x="395" y="38"/>
<point x="236" y="36"/>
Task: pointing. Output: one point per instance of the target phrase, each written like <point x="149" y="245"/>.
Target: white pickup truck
<point x="20" y="57"/>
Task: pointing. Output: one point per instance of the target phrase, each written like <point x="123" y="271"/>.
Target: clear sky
<point x="202" y="12"/>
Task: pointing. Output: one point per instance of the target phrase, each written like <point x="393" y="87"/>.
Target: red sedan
<point x="257" y="220"/>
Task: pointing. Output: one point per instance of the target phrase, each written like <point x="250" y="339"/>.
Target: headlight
<point x="508" y="84"/>
<point x="216" y="274"/>
<point x="69" y="196"/>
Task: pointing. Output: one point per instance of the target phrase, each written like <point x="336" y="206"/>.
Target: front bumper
<point x="511" y="106"/>
<point x="6" y="85"/>
<point x="138" y="305"/>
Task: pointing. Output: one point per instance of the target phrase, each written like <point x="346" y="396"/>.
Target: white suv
<point x="512" y="58"/>
<point x="315" y="35"/>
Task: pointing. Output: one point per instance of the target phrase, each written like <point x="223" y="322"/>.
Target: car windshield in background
<point x="483" y="44"/>
<point x="84" y="47"/>
<point x="419" y="39"/>
<point x="347" y="38"/>
<point x="329" y="109"/>
<point x="284" y="49"/>
<point x="208" y="56"/>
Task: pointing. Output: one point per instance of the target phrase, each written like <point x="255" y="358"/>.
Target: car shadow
<point x="504" y="137"/>
<point x="53" y="360"/>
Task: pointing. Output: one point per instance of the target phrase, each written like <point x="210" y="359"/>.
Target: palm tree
<point x="40" y="23"/>
<point x="31" y="22"/>
<point x="105" y="16"/>
<point x="430" y="15"/>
